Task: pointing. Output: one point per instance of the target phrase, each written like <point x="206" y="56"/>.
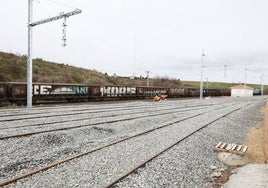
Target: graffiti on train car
<point x="59" y="90"/>
<point x="117" y="91"/>
<point x="41" y="89"/>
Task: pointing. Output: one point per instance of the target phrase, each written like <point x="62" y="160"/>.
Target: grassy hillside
<point x="217" y="85"/>
<point x="14" y="69"/>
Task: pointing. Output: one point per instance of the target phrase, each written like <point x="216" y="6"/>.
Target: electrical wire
<point x="63" y="4"/>
<point x="43" y="10"/>
<point x="48" y="9"/>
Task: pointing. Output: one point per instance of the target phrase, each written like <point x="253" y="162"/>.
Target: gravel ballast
<point x="189" y="164"/>
<point x="186" y="164"/>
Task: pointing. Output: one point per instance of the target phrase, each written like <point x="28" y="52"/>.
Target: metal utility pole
<point x="207" y="82"/>
<point x="245" y="85"/>
<point x="30" y="35"/>
<point x="29" y="60"/>
<point x="147" y="72"/>
<point x="135" y="55"/>
<point x="225" y="68"/>
<point x="261" y="79"/>
<point x="201" y="80"/>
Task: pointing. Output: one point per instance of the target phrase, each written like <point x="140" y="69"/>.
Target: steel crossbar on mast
<point x="62" y="15"/>
<point x="30" y="35"/>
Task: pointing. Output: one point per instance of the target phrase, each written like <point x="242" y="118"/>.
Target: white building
<point x="241" y="91"/>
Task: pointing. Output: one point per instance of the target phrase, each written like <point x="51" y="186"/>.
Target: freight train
<point x="16" y="92"/>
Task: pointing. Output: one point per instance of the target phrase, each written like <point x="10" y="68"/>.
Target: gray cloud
<point x="169" y="35"/>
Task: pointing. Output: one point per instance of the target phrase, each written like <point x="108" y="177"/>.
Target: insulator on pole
<point x="64" y="31"/>
<point x="30" y="31"/>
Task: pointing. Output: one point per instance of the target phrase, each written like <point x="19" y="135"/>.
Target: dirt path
<point x="257" y="141"/>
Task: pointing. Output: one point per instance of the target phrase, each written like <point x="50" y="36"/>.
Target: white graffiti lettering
<point x="42" y="89"/>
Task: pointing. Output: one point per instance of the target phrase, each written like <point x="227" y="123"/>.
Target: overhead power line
<point x="63" y="4"/>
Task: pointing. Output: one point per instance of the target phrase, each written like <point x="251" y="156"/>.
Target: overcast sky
<point x="165" y="37"/>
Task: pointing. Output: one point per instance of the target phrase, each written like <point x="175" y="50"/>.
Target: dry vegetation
<point x="14" y="67"/>
<point x="257" y="140"/>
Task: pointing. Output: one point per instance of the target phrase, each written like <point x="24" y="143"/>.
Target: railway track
<point x="132" y="170"/>
<point x="78" y="108"/>
<point x="4" y="117"/>
<point x="90" y="112"/>
<point x="53" y="128"/>
<point x="63" y="113"/>
<point x="172" y="123"/>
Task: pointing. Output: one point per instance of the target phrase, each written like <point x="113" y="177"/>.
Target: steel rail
<point x="88" y="111"/>
<point x="58" y="115"/>
<point x="87" y="125"/>
<point x="12" y="180"/>
<point x="81" y="119"/>
<point x="167" y="148"/>
<point x="43" y="110"/>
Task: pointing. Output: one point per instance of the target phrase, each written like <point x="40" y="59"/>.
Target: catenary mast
<point x="30" y="36"/>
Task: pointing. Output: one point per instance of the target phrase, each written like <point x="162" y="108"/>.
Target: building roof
<point x="240" y="86"/>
